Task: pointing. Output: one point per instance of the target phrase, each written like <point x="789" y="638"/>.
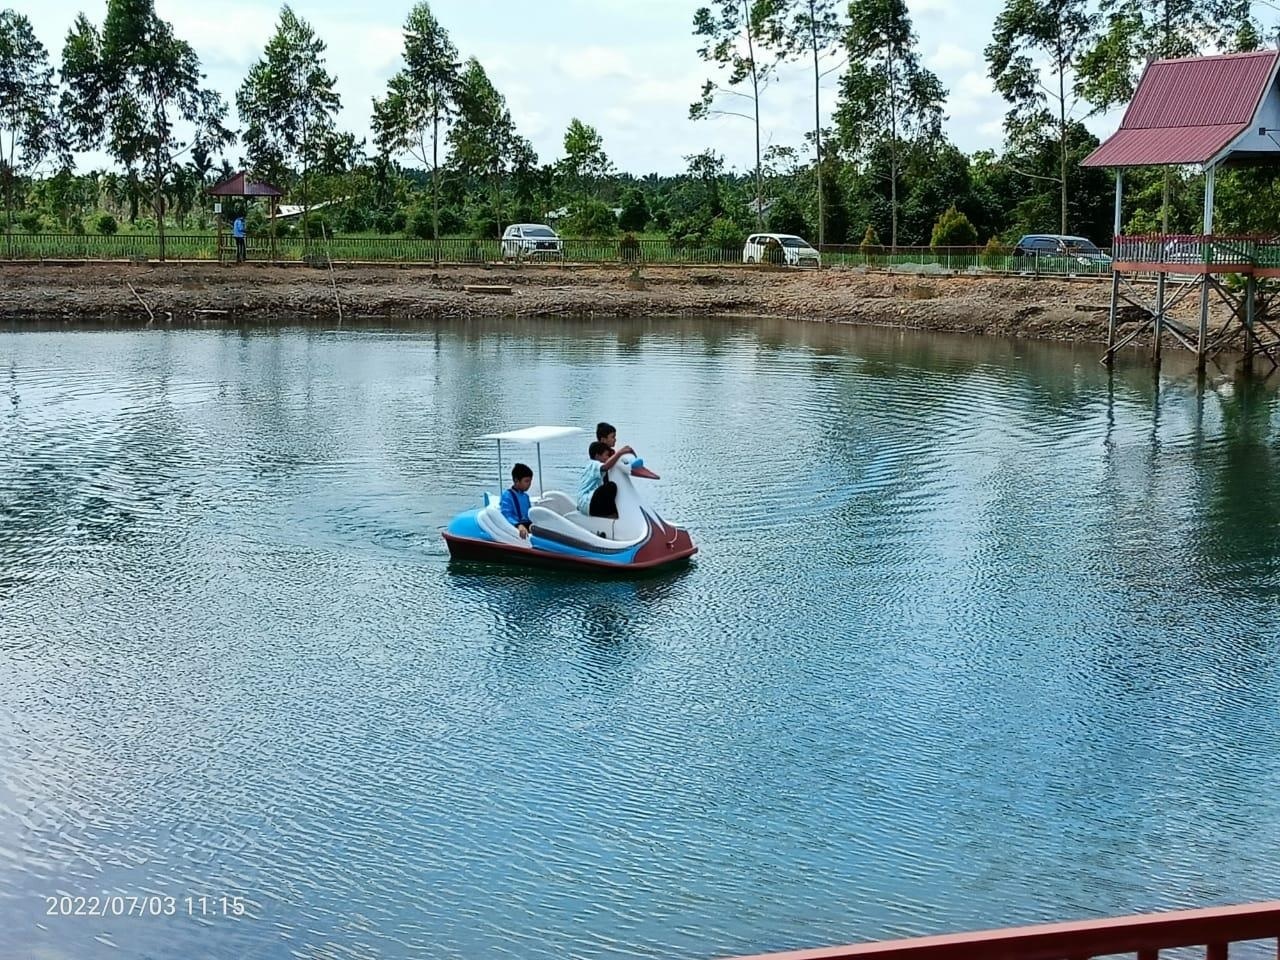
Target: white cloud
<point x="950" y="56"/>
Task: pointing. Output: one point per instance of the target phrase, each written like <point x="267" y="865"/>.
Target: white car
<point x="531" y="241"/>
<point x="795" y="251"/>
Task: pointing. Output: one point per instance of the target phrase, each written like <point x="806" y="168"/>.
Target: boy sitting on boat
<point x="598" y="495"/>
<point x="515" y="501"/>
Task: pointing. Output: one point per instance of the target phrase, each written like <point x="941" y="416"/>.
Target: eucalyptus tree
<point x="135" y="90"/>
<point x="28" y="103"/>
<point x="421" y="98"/>
<point x="585" y="163"/>
<point x="887" y="99"/>
<point x="483" y="138"/>
<point x="1026" y="34"/>
<point x="803" y="28"/>
<point x="726" y="28"/>
<point x="1136" y="31"/>
<point x="288" y="104"/>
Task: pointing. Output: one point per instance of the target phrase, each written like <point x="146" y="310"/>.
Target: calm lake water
<point x="978" y="635"/>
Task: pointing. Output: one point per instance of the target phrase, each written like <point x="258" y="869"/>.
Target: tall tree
<point x="136" y="90"/>
<point x="288" y="105"/>
<point x="28" y="114"/>
<point x="804" y="28"/>
<point x="420" y="98"/>
<point x="1027" y="31"/>
<point x="886" y="96"/>
<point x="483" y="138"/>
<point x="725" y="30"/>
<point x="1137" y="31"/>
<point x="585" y="163"/>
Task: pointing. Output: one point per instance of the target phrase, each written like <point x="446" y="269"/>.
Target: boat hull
<point x="666" y="546"/>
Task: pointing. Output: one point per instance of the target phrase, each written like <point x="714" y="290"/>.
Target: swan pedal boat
<point x="561" y="536"/>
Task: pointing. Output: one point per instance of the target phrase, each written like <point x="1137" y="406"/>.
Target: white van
<point x="531" y="241"/>
<point x="796" y="252"/>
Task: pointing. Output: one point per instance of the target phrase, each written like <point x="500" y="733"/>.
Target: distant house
<point x="285" y="211"/>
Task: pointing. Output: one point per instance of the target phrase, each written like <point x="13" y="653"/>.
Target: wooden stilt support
<point x="1158" y="323"/>
<point x="1111" y="318"/>
<point x="1216" y="951"/>
<point x="1250" y="306"/>
<point x="1202" y="344"/>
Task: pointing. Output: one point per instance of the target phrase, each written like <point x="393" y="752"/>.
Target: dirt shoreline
<point x="213" y="294"/>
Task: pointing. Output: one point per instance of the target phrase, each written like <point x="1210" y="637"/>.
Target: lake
<point x="979" y="634"/>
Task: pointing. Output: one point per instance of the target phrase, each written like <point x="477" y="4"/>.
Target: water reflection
<point x="980" y="632"/>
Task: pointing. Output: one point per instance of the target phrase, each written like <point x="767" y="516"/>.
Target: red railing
<point x="1145" y="936"/>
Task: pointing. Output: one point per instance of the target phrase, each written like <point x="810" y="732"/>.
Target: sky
<point x="629" y="68"/>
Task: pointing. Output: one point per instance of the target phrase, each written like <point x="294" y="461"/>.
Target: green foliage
<point x="106" y="225"/>
<point x="726" y="235"/>
<point x="421" y="98"/>
<point x="288" y="104"/>
<point x="870" y="245"/>
<point x="591" y="218"/>
<point x="734" y="35"/>
<point x="30" y="221"/>
<point x="585" y="163"/>
<point x="29" y="128"/>
<point x="785" y="216"/>
<point x="953" y="229"/>
<point x="887" y="99"/>
<point x="635" y="211"/>
<point x="131" y="88"/>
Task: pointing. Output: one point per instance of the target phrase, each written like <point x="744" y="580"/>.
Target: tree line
<point x="447" y="158"/>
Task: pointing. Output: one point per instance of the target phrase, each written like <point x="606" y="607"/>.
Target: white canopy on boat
<point x="533" y="434"/>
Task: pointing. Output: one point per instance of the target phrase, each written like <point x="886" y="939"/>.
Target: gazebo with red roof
<point x="1211" y="112"/>
<point x="239" y="185"/>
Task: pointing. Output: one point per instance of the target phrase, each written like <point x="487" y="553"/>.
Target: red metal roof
<point x="1187" y="111"/>
<point x="239" y="186"/>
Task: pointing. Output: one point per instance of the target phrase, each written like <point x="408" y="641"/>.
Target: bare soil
<point x="212" y="293"/>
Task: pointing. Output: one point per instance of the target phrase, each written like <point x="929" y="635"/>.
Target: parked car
<point x="531" y="241"/>
<point x="1057" y="251"/>
<point x="786" y="249"/>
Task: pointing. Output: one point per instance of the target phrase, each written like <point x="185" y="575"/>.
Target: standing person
<point x="597" y="495"/>
<point x="515" y="501"/>
<point x="237" y="231"/>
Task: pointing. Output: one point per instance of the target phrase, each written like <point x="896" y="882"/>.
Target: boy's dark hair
<point x="597" y="447"/>
<point x="519" y="472"/>
<point x="604" y="429"/>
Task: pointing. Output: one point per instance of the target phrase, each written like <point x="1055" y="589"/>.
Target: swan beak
<point x="644" y="473"/>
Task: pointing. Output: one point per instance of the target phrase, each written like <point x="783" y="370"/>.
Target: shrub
<point x="635" y="211"/>
<point x="106" y="225"/>
<point x="995" y="253"/>
<point x="870" y="245"/>
<point x="726" y="235"/>
<point x="30" y="222"/>
<point x="953" y="229"/>
<point x="77" y="227"/>
<point x="629" y="248"/>
<point x="591" y="219"/>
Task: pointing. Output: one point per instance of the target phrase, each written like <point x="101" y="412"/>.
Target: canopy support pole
<point x="499" y="466"/>
<point x="541" y="490"/>
<point x="1115" y="274"/>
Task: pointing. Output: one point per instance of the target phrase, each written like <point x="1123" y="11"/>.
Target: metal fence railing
<point x="618" y="250"/>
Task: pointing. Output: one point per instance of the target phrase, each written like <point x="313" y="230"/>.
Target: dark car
<point x="1056" y="251"/>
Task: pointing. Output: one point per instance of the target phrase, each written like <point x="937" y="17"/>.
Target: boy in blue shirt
<point x="515" y="502"/>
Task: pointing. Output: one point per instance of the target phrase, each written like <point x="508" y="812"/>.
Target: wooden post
<point x="1158" y="325"/>
<point x="1115" y="274"/>
<point x="1202" y="345"/>
<point x="1250" y="305"/>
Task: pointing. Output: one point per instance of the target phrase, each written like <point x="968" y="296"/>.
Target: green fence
<point x="626" y="250"/>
